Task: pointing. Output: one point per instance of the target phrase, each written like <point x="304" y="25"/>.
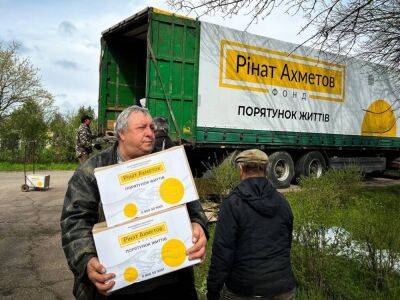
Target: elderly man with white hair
<point x="82" y="209"/>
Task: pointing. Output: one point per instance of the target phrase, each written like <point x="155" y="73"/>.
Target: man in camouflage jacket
<point x="82" y="209"/>
<point x="84" y="139"/>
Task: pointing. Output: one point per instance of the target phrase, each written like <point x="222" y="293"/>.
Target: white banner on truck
<point x="256" y="84"/>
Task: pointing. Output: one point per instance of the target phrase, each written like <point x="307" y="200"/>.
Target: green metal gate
<point x="172" y="71"/>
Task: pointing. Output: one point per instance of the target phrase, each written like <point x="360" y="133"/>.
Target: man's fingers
<point x="194" y="248"/>
<point x="104" y="287"/>
<point x="98" y="266"/>
<point x="198" y="250"/>
<point x="196" y="234"/>
<point x="101" y="278"/>
<point x="198" y="254"/>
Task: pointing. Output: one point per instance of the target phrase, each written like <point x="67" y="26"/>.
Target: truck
<point x="224" y="90"/>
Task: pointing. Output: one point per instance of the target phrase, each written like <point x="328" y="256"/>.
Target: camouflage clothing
<point x="83" y="141"/>
<point x="82" y="209"/>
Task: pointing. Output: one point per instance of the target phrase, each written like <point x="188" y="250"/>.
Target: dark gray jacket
<point x="252" y="242"/>
<point x="82" y="209"/>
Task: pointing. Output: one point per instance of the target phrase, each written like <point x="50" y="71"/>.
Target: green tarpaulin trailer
<point x="223" y="89"/>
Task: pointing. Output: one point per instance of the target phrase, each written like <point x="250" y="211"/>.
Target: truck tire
<point x="310" y="164"/>
<point x="280" y="169"/>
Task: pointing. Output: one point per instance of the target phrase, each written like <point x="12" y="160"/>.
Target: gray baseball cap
<point x="252" y="156"/>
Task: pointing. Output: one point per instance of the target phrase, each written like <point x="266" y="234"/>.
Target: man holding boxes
<point x="83" y="209"/>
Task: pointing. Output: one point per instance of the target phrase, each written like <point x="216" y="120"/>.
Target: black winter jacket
<point x="82" y="209"/>
<point x="162" y="142"/>
<point x="252" y="242"/>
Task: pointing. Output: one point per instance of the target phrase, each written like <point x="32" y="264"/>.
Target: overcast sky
<point x="62" y="39"/>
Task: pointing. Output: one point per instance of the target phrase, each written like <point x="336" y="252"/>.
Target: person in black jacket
<point x="82" y="209"/>
<point x="252" y="241"/>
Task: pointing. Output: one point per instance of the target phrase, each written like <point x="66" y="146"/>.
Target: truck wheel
<point x="310" y="164"/>
<point x="280" y="169"/>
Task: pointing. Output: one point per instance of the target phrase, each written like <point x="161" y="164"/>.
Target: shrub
<point x="346" y="240"/>
<point x="220" y="180"/>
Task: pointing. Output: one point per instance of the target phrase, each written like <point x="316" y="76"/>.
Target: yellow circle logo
<point x="130" y="210"/>
<point x="130" y="274"/>
<point x="173" y="253"/>
<point x="39" y="183"/>
<point x="379" y="120"/>
<point x="171" y="190"/>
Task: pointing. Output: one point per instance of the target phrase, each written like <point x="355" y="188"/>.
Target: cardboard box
<point x="146" y="247"/>
<point x="38" y="181"/>
<point x="145" y="185"/>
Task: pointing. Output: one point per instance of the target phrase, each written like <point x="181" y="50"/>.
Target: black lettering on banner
<point x="255" y="68"/>
<point x="303" y="78"/>
<point x="264" y="71"/>
<point x="318" y="78"/>
<point x="238" y="63"/>
<point x="325" y="81"/>
<point x="294" y="73"/>
<point x="304" y="97"/>
<point x="272" y="68"/>
<point x="284" y="93"/>
<point x="285" y="72"/>
<point x="332" y="82"/>
<point x="249" y="110"/>
<point x="294" y="95"/>
<point x="267" y="112"/>
<point x="309" y="78"/>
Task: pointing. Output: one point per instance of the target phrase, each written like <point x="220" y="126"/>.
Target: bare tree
<point x="369" y="29"/>
<point x="19" y="81"/>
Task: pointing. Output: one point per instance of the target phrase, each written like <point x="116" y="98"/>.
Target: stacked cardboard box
<point x="147" y="229"/>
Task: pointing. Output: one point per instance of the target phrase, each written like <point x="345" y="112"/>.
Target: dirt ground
<point x="32" y="262"/>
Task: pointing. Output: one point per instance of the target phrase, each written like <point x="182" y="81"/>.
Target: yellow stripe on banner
<point x="316" y="97"/>
<point x="244" y="87"/>
<point x="275" y="52"/>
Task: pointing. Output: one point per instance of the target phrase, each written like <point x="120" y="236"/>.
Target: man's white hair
<point x="122" y="121"/>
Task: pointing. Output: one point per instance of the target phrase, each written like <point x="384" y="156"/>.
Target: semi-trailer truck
<point x="222" y="89"/>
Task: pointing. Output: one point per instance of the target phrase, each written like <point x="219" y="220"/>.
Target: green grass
<point x="337" y="277"/>
<point x="201" y="270"/>
<point x="6" y="166"/>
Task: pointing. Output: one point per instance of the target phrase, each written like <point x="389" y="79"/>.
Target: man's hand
<point x="198" y="250"/>
<point x="96" y="274"/>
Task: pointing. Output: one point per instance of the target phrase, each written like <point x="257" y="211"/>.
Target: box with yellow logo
<point x="38" y="181"/>
<point x="146" y="247"/>
<point x="145" y="185"/>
